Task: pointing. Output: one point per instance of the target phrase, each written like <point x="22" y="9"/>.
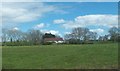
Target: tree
<point x="100" y="38"/>
<point x="70" y="38"/>
<point x="4" y="35"/>
<point x="15" y="35"/>
<point x="35" y="37"/>
<point x="48" y="35"/>
<point x="92" y="36"/>
<point x="106" y="37"/>
<point x="114" y="33"/>
<point x="81" y="34"/>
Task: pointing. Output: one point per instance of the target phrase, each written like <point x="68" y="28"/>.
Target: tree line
<point x="17" y="37"/>
<point x="84" y="35"/>
<point x="36" y="37"/>
<point x="80" y="35"/>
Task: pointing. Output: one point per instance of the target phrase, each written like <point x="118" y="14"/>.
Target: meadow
<point x="86" y="56"/>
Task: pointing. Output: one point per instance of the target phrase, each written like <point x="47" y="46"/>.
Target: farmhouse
<point x="54" y="40"/>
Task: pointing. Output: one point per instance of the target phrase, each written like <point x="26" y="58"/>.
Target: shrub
<point x="48" y="43"/>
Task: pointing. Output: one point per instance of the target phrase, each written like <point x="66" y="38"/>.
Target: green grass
<point x="88" y="56"/>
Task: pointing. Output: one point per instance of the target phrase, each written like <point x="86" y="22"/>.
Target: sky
<point x="60" y="0"/>
<point x="59" y="18"/>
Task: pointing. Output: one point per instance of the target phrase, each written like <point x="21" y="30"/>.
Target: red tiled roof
<point x="53" y="39"/>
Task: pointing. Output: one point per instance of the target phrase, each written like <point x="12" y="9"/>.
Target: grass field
<point x="88" y="56"/>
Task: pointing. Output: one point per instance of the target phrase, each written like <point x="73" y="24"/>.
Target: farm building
<point x="55" y="40"/>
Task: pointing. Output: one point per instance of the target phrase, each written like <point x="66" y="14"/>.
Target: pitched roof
<point x="53" y="39"/>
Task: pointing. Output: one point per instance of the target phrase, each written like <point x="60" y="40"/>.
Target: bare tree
<point x="92" y="36"/>
<point x="100" y="38"/>
<point x="69" y="38"/>
<point x="114" y="33"/>
<point x="106" y="37"/>
<point x="35" y="36"/>
<point x="80" y="33"/>
<point x="4" y="35"/>
<point x="14" y="35"/>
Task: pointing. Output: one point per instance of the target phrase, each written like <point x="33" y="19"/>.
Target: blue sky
<point x="60" y="17"/>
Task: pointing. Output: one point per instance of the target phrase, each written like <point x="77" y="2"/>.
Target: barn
<point x="54" y="40"/>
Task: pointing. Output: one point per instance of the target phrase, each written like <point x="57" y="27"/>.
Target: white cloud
<point x="67" y="32"/>
<point x="41" y="25"/>
<point x="59" y="21"/>
<point x="96" y="20"/>
<point x="15" y="28"/>
<point x="71" y="24"/>
<point x="15" y="12"/>
<point x="54" y="32"/>
<point x="99" y="30"/>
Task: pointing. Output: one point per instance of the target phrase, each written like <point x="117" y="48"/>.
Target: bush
<point x="48" y="43"/>
<point x="21" y="43"/>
